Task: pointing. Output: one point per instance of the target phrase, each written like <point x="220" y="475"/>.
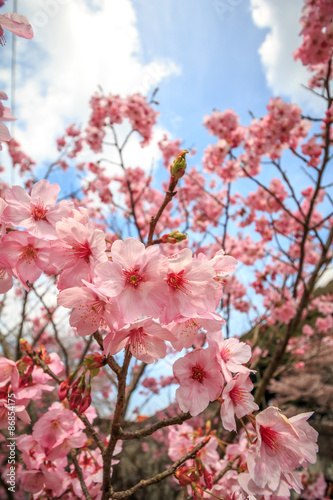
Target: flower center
<point x="38" y="211"/>
<point x="29" y="254"/>
<point x="176" y="281"/>
<point x="133" y="278"/>
<point x="82" y="251"/>
<point x="226" y="353"/>
<point x="198" y="373"/>
<point x="271" y="438"/>
<point x="239" y="395"/>
<point x="98" y="307"/>
<point x="136" y="340"/>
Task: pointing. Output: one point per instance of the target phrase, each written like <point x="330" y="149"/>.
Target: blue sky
<point x="219" y="60"/>
<point x="200" y="57"/>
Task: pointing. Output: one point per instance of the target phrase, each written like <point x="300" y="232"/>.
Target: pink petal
<point x="17" y="24"/>
<point x="4" y="132"/>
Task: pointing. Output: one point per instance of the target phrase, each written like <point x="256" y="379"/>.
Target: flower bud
<point x="184" y="475"/>
<point x="95" y="360"/>
<point x="179" y="165"/>
<point x="25" y="346"/>
<point x="75" y="400"/>
<point x="208" y="479"/>
<point x="173" y="237"/>
<point x="85" y="403"/>
<point x="63" y="390"/>
<point x="178" y="236"/>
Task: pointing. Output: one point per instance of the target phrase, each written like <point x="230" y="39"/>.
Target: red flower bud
<point x="25" y="346"/>
<point x="85" y="403"/>
<point x="208" y="479"/>
<point x="75" y="400"/>
<point x="63" y="390"/>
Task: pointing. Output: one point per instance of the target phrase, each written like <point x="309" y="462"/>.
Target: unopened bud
<point x="25" y="346"/>
<point x="178" y="236"/>
<point x="173" y="237"/>
<point x="179" y="165"/>
<point x="183" y="474"/>
<point x="85" y="403"/>
<point x="95" y="360"/>
<point x="208" y="479"/>
<point x="75" y="400"/>
<point x="63" y="390"/>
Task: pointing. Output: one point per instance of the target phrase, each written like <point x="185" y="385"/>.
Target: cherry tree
<point x="120" y="274"/>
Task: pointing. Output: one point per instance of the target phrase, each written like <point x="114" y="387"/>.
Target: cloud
<point x="78" y="46"/>
<point x="283" y="75"/>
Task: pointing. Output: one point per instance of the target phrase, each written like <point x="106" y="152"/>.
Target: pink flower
<point x="232" y="355"/>
<point x="182" y="438"/>
<point x="237" y="400"/>
<point x="6" y="277"/>
<point x="18" y="407"/>
<point x="191" y="287"/>
<point x="33" y="454"/>
<point x="37" y="213"/>
<point x="56" y="425"/>
<point x="282" y="492"/>
<point x="315" y="489"/>
<point x="17" y="24"/>
<point x="282" y="445"/>
<point x="91" y="308"/>
<point x="135" y="277"/>
<point x="50" y="476"/>
<point x="144" y="337"/>
<point x="8" y="371"/>
<point x="200" y="379"/>
<point x="80" y="249"/>
<point x="26" y="255"/>
<point x="186" y="330"/>
<point x="223" y="265"/>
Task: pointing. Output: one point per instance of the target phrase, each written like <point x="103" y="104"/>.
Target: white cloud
<point x="77" y="46"/>
<point x="283" y="75"/>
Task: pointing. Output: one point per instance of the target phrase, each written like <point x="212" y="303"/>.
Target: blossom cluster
<point x="316" y="49"/>
<point x="264" y="458"/>
<point x="140" y="299"/>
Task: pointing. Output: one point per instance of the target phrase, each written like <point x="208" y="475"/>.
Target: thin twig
<point x="133" y="385"/>
<point x="80" y="476"/>
<point x="159" y="477"/>
<point x="18" y="349"/>
<point x="147" y="431"/>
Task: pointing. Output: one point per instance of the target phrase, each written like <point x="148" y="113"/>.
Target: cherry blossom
<point x="191" y="287"/>
<point x="144" y="338"/>
<point x="282" y="445"/>
<point x="232" y="355"/>
<point x="37" y="213"/>
<point x="237" y="400"/>
<point x="135" y="277"/>
<point x="79" y="249"/>
<point x="200" y="379"/>
<point x="91" y="309"/>
<point x="17" y="24"/>
<point x="8" y="372"/>
<point x="26" y="255"/>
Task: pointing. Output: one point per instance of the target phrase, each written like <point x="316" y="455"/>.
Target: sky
<point x="202" y="54"/>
